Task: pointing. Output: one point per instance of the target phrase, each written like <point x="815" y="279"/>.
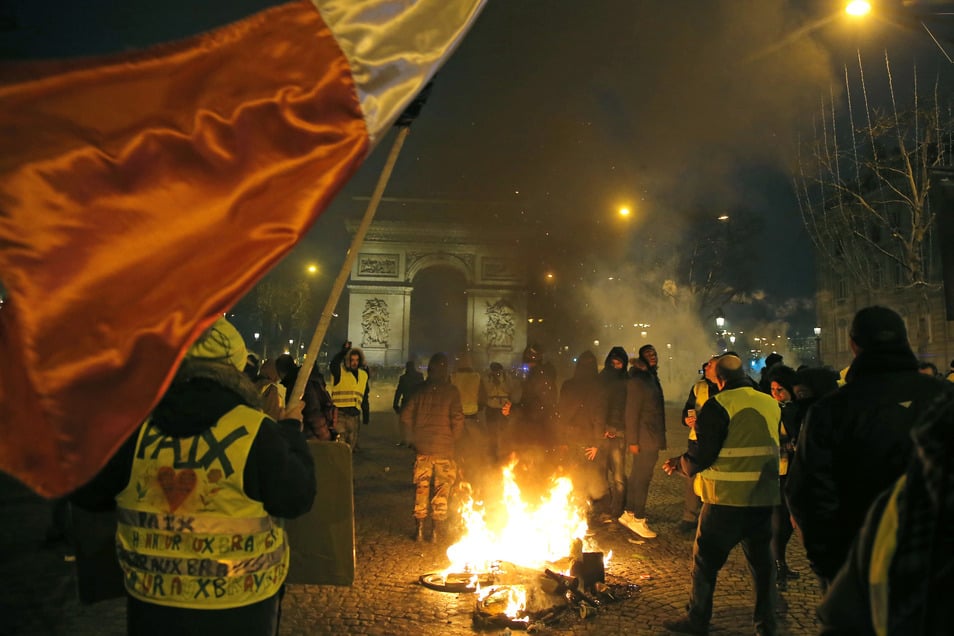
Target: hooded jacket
<point x="279" y="471"/>
<point x="582" y="405"/>
<point x="433" y="418"/>
<point x="854" y="444"/>
<point x="614" y="386"/>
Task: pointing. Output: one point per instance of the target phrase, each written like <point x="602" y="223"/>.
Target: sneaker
<point x="605" y="518"/>
<point x="639" y="526"/>
<point x="686" y="626"/>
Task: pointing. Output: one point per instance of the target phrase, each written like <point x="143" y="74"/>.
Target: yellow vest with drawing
<point x="188" y="535"/>
<point x="349" y="391"/>
<point x="746" y="471"/>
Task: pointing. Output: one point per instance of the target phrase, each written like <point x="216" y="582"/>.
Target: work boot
<point x="419" y="535"/>
<point x="438" y="531"/>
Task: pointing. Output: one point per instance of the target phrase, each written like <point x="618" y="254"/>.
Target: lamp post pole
<point x="818" y="345"/>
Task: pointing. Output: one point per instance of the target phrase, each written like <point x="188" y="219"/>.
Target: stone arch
<point x="417" y="264"/>
<point x="395" y="252"/>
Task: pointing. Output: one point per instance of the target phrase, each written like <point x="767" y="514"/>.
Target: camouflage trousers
<point x="347" y="426"/>
<point x="435" y="475"/>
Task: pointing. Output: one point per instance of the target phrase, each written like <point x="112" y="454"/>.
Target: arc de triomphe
<point x="395" y="252"/>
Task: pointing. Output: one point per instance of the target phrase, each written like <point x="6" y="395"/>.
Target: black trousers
<point x="720" y="529"/>
<point x="258" y="619"/>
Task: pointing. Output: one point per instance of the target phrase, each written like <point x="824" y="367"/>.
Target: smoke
<point x="578" y="106"/>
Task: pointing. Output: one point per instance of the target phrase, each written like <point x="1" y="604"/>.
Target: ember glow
<point x="524" y="535"/>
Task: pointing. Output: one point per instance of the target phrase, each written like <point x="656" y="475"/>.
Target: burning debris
<point x="527" y="565"/>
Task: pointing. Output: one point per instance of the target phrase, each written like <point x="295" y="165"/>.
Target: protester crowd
<point x="858" y="473"/>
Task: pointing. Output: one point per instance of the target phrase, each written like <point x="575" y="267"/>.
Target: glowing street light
<point x="858" y="8"/>
<point x="312" y="269"/>
<point x="624" y="211"/>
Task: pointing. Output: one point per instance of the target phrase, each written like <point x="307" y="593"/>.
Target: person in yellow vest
<point x="701" y="391"/>
<point x="198" y="490"/>
<point x="497" y="388"/>
<point x="900" y="569"/>
<point x="350" y="388"/>
<point x="736" y="460"/>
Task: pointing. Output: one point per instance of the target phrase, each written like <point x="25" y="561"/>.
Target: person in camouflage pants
<point x="433" y="475"/>
<point x="433" y="420"/>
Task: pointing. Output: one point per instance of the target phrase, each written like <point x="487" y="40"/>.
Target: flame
<point x="524" y="535"/>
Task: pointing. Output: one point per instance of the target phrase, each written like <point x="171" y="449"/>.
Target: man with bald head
<point x="736" y="459"/>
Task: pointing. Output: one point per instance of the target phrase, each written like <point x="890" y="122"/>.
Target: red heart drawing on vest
<point x="176" y="485"/>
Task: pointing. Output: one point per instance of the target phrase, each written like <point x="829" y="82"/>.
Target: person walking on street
<point x="433" y="421"/>
<point x="197" y="538"/>
<point x="737" y="463"/>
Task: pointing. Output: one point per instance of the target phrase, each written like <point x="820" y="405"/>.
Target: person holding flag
<point x="197" y="491"/>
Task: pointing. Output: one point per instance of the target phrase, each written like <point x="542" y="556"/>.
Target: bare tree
<point x="863" y="191"/>
<point x="284" y="309"/>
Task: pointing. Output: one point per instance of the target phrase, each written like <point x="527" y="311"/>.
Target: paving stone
<point x="38" y="587"/>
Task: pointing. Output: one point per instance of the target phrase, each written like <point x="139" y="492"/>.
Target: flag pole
<point x="321" y="329"/>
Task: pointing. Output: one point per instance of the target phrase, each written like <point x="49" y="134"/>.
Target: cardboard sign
<point x="322" y="541"/>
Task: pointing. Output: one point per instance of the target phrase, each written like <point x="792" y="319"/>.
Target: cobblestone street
<point x="38" y="593"/>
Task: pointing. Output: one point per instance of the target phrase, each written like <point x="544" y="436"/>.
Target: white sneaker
<point x="627" y="520"/>
<point x="639" y="526"/>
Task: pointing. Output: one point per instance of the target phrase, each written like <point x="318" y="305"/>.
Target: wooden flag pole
<point x="313" y="347"/>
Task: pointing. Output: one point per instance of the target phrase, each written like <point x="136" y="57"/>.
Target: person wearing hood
<point x="197" y="489"/>
<point x="613" y="376"/>
<point x="350" y="390"/>
<point x="433" y="421"/>
<point x="856" y="442"/>
<point x="582" y="409"/>
<point x="645" y="425"/>
<point x="900" y="568"/>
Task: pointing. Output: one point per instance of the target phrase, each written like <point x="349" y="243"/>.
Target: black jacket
<point x="854" y="444"/>
<point x="645" y="414"/>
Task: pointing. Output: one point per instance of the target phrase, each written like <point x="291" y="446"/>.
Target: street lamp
<point x="818" y="345"/>
<point x="858" y="8"/>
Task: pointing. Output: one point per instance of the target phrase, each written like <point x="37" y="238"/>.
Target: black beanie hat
<point x="879" y="329"/>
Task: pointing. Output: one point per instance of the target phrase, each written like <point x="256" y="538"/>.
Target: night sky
<point x="553" y="114"/>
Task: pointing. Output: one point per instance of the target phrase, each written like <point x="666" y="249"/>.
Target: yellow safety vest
<point x="746" y="471"/>
<point x="701" y="392"/>
<point x="188" y="535"/>
<point x="498" y="393"/>
<point x="882" y="553"/>
<point x="349" y="392"/>
<point x="468" y="383"/>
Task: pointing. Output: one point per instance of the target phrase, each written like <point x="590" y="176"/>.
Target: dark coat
<point x="433" y="418"/>
<point x="582" y="406"/>
<point x="645" y="414"/>
<point x="854" y="444"/>
<point x="409" y="381"/>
